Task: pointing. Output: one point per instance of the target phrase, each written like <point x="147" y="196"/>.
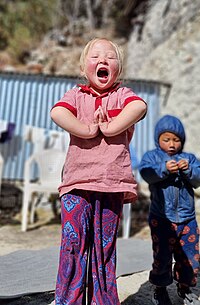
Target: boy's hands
<point x="183" y="164"/>
<point x="173" y="166"/>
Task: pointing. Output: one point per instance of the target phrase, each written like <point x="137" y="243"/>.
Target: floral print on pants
<point x="90" y="222"/>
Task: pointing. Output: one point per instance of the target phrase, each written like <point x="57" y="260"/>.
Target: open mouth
<point x="103" y="73"/>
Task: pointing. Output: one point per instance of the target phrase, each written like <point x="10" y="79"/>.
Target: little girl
<point x="97" y="175"/>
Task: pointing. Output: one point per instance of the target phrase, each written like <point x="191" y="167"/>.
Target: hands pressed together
<point x="101" y="122"/>
<point x="69" y="122"/>
<point x="130" y="114"/>
<point x="173" y="166"/>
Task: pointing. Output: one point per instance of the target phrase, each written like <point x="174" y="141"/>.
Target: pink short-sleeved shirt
<point x="103" y="163"/>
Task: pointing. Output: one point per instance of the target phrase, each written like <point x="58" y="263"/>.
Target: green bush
<point x="20" y="41"/>
<point x="23" y="23"/>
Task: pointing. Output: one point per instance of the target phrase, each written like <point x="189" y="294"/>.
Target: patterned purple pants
<point x="90" y="222"/>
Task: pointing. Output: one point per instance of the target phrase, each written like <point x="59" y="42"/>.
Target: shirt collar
<point x="88" y="89"/>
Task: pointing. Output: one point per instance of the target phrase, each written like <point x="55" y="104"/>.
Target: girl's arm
<point x="130" y="115"/>
<point x="67" y="121"/>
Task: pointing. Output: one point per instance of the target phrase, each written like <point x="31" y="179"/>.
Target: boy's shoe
<point x="188" y="297"/>
<point x="161" y="297"/>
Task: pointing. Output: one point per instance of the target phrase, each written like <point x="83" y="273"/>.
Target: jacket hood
<point x="169" y="123"/>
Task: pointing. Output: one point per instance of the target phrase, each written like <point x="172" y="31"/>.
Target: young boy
<point x="172" y="174"/>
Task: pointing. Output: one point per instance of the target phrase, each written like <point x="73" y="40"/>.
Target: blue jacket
<point x="172" y="195"/>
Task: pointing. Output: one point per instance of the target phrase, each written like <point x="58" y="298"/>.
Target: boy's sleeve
<point x="192" y="174"/>
<point x="153" y="169"/>
<point x="68" y="101"/>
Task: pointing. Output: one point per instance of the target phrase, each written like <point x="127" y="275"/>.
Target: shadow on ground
<point x="36" y="299"/>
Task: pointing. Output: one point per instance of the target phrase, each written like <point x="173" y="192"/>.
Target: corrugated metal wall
<point x="26" y="100"/>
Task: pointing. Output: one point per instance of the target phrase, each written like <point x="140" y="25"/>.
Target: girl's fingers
<point x="100" y="116"/>
<point x="96" y="116"/>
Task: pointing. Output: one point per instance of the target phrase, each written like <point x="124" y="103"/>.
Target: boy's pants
<point x="178" y="241"/>
<point x="90" y="223"/>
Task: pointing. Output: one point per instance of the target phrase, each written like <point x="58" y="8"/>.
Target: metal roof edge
<point x="166" y="84"/>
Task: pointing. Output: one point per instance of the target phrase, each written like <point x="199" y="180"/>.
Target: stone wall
<point x="169" y="51"/>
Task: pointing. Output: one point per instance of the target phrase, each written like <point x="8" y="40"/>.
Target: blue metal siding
<point x="27" y="100"/>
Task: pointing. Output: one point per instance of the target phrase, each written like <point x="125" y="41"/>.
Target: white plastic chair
<point x="49" y="164"/>
<point x="126" y="218"/>
<point x="1" y="170"/>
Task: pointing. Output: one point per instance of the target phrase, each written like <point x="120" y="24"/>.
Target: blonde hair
<point x="85" y="51"/>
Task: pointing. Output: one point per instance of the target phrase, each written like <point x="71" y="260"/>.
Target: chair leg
<point x="36" y="200"/>
<point x="126" y="220"/>
<point x="25" y="211"/>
